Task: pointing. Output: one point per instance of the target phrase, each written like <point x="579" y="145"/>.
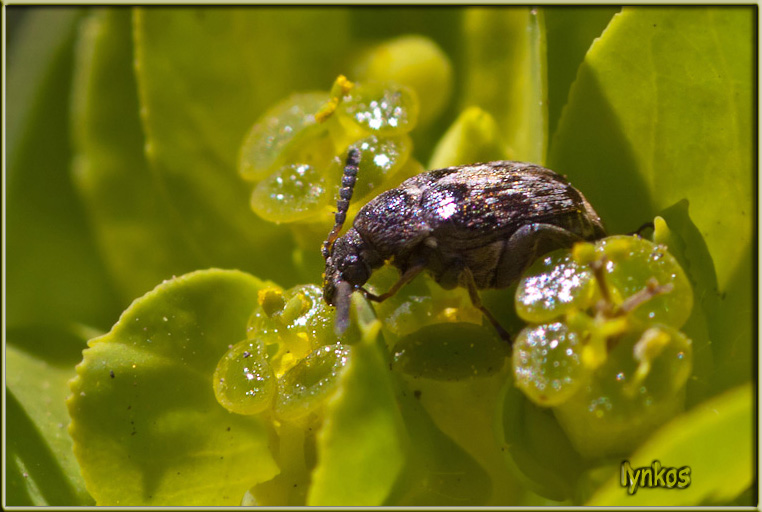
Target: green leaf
<point x="686" y="244"/>
<point x="535" y="447"/>
<point x="41" y="466"/>
<point x="465" y="410"/>
<point x="732" y="324"/>
<point x="715" y="440"/>
<point x="506" y="75"/>
<point x="54" y="272"/>
<point x="147" y="428"/>
<point x="40" y="40"/>
<point x="663" y="106"/>
<point x="570" y="32"/>
<point x="361" y="447"/>
<point x="138" y="237"/>
<point x="438" y="471"/>
<point x="204" y="76"/>
<point x="684" y="241"/>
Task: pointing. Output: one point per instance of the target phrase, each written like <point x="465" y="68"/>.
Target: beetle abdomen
<point x="487" y="202"/>
<point x="468" y="207"/>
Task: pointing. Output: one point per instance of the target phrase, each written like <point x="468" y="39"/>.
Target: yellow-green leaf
<point x="662" y="110"/>
<point x="147" y="428"/>
<point x="41" y="466"/>
<point x="715" y="440"/>
<point x="139" y="237"/>
<point x="361" y="446"/>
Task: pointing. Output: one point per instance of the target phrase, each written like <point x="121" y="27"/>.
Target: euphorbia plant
<point x="133" y="178"/>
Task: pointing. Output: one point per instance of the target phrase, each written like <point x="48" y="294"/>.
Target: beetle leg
<point x="527" y="244"/>
<point x="405" y="278"/>
<point x="473" y="292"/>
<point x="637" y="232"/>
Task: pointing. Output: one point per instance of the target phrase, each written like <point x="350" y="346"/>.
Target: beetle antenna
<point x="345" y="194"/>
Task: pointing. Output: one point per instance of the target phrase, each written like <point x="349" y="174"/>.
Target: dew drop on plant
<point x="407" y="316"/>
<point x="546" y="363"/>
<point x="415" y="61"/>
<point x="243" y="380"/>
<point x="383" y="108"/>
<point x="291" y="324"/>
<point x="286" y="124"/>
<point x="552" y="286"/>
<point x="632" y="262"/>
<point x="294" y="192"/>
<point x="306" y="386"/>
<point x="315" y="318"/>
<point x="640" y="386"/>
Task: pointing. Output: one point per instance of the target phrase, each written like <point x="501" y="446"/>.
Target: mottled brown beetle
<point x="477" y="226"/>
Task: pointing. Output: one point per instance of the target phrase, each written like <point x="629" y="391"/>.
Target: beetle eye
<point x="356" y="274"/>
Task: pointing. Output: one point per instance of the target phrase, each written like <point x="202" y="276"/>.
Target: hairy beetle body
<point x="478" y="226"/>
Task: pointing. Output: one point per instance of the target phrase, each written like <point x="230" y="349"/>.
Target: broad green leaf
<point x="662" y="110"/>
<point x="41" y="466"/>
<point x="506" y="75"/>
<point x="40" y="359"/>
<point x="684" y="241"/>
<point x="138" y="237"/>
<point x="570" y="32"/>
<point x="733" y="327"/>
<point x="110" y="169"/>
<point x="41" y="38"/>
<point x="147" y="428"/>
<point x="715" y="440"/>
<point x="54" y="273"/>
<point x="204" y="76"/>
<point x="535" y="446"/>
<point x="361" y="447"/>
<point x="464" y="410"/>
<point x="438" y="472"/>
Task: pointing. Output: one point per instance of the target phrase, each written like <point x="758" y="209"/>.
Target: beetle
<point x="477" y="226"/>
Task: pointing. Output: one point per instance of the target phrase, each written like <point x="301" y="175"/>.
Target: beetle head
<point x="346" y="269"/>
<point x="345" y="264"/>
